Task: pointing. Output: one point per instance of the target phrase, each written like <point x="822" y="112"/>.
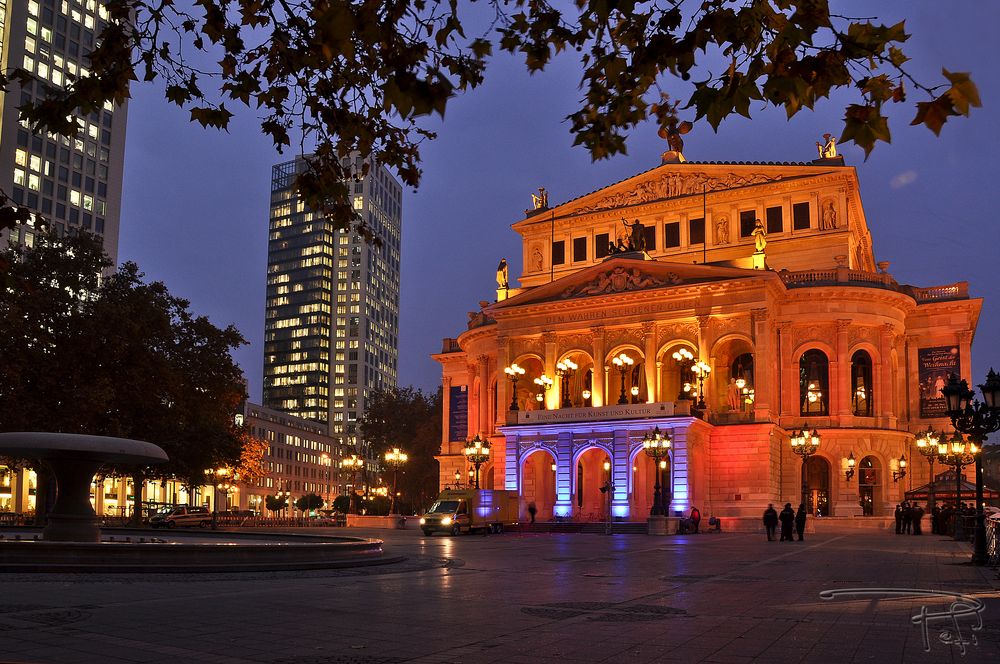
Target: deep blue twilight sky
<point x="196" y="201"/>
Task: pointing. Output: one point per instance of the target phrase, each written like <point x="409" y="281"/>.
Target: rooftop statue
<point x="541" y="199"/>
<point x="502" y="282"/>
<point x="828" y="148"/>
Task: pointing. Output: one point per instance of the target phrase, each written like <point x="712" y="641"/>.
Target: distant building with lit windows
<point x="74" y="183"/>
<point x="737" y="308"/>
<point x="332" y="319"/>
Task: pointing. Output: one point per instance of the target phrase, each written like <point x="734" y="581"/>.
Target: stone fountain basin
<point x="197" y="552"/>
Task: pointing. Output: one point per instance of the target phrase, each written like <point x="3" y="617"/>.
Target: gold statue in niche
<point x="759" y="237"/>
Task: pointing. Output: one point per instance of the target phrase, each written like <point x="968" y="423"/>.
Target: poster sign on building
<point x="458" y="413"/>
<point x="935" y="365"/>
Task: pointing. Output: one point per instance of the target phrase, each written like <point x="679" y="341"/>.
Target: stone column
<point x="598" y="397"/>
<point x="677" y="482"/>
<point x="763" y="364"/>
<point x="659" y="384"/>
<point x="844" y="389"/>
<point x="512" y="473"/>
<point x="483" y="369"/>
<point x="503" y="383"/>
<point x="620" y="470"/>
<point x="473" y="406"/>
<point x="445" y="414"/>
<point x="965" y="355"/>
<point x="649" y="350"/>
<point x="564" y="474"/>
<point x="789" y="394"/>
<point x="884" y="401"/>
<point x="912" y="371"/>
<point x="552" y="394"/>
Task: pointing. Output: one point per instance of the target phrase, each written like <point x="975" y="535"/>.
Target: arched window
<point x="814" y="387"/>
<point x="861" y="384"/>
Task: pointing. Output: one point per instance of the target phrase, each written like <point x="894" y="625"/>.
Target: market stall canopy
<point x="943" y="488"/>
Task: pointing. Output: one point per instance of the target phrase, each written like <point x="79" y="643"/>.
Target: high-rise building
<point x="332" y="319"/>
<point x="74" y="183"/>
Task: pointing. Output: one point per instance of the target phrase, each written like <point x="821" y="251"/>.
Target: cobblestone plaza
<point x="529" y="597"/>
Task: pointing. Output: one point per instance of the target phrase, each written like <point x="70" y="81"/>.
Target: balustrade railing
<point x="845" y="276"/>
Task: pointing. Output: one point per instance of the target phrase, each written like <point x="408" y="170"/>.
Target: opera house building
<point x="734" y="312"/>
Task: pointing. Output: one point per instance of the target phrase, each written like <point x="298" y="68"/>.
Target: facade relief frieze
<point x="687" y="331"/>
<point x="623" y="335"/>
<point x="526" y="345"/>
<point x="675" y="185"/>
<point x="825" y="333"/>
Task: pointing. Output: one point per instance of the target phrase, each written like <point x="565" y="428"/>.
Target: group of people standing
<point x="909" y="518"/>
<point x="788" y="518"/>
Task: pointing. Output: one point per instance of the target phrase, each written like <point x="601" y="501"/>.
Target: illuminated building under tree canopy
<point x="332" y="319"/>
<point x="758" y="286"/>
<point x="73" y="182"/>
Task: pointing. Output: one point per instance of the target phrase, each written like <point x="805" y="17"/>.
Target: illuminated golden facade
<point x="819" y="337"/>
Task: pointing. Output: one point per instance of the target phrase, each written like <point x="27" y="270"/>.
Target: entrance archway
<point x="644" y="484"/>
<point x="869" y="483"/>
<point x="538" y="484"/>
<point x="816" y="485"/>
<point x="593" y="470"/>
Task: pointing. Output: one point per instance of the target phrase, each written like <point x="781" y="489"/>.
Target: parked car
<point x="182" y="515"/>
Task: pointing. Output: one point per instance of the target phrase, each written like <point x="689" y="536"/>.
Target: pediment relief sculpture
<point x="621" y="279"/>
<point x="671" y="185"/>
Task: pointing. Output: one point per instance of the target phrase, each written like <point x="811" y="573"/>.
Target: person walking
<point x="899" y="519"/>
<point x="918" y="514"/>
<point x="935" y="520"/>
<point x="532" y="511"/>
<point x="800" y="520"/>
<point x="770" y="521"/>
<point x="907" y="517"/>
<point x="787" y="518"/>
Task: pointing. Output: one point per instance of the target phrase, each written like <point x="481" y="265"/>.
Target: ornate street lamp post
<point x="806" y="444"/>
<point x="477" y="451"/>
<point x="927" y="445"/>
<point x="623" y="363"/>
<point x="514" y="372"/>
<point x="217" y="479"/>
<point x="684" y="359"/>
<point x="565" y="370"/>
<point x="657" y="446"/>
<point x="851" y="463"/>
<point x="701" y="370"/>
<point x="544" y="383"/>
<point x="353" y="464"/>
<point x="394" y="458"/>
<point x="958" y="454"/>
<point x="977" y="420"/>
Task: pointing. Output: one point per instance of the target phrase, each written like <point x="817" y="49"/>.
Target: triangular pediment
<point x="627" y="273"/>
<point x="685" y="179"/>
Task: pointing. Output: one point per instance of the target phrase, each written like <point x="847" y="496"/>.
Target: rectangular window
<point x="649" y="234"/>
<point x="775" y="221"/>
<point x="579" y="249"/>
<point x="672" y="234"/>
<point x="558" y="252"/>
<point x="601" y="242"/>
<point x="696" y="231"/>
<point x="748" y="220"/>
<point x="19" y="176"/>
<point x="800" y="216"/>
<point x="74" y="197"/>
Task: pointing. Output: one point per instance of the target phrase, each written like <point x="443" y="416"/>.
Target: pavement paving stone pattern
<point x="525" y="598"/>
